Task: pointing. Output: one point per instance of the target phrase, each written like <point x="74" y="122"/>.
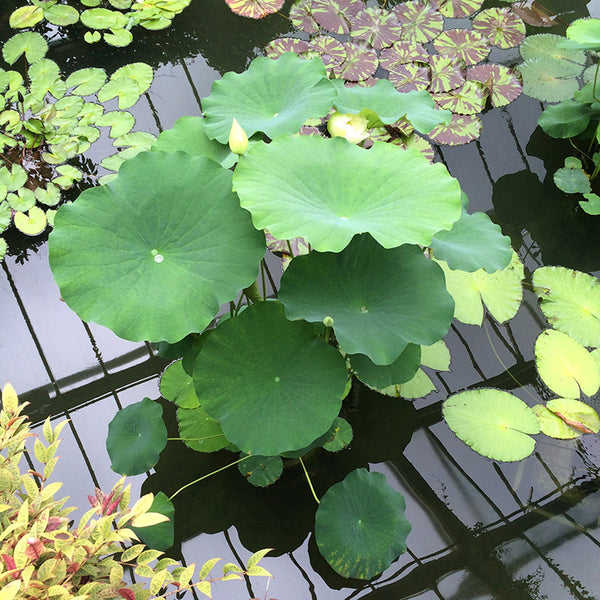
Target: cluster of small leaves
<point x="368" y="38"/>
<point x="43" y="555"/>
<point x="47" y="120"/>
<point x="110" y="20"/>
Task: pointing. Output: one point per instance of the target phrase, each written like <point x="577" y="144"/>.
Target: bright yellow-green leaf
<point x="9" y="591"/>
<point x="148" y="519"/>
<point x="143" y="504"/>
<point x="207" y="567"/>
<point x="132" y="552"/>
<point x="32" y="223"/>
<point x="578" y="415"/>
<point x="26" y="16"/>
<point x="553" y="426"/>
<point x="10" y="400"/>
<point x="204" y="587"/>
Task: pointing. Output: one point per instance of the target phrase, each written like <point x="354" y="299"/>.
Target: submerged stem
<point x="310" y="485"/>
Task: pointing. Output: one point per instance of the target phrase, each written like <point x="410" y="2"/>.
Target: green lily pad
<point x="390" y="105"/>
<point x="552" y="425"/>
<point x="382" y="309"/>
<point x="86" y="81"/>
<point x="547" y="44"/>
<point x="570" y="300"/>
<point x="271" y="383"/>
<point x="501" y="292"/>
<point x="261" y="471"/>
<point x="177" y="386"/>
<point x="407" y="202"/>
<point x="61" y="14"/>
<point x="591" y="204"/>
<point x="120" y="122"/>
<point x="565" y="120"/>
<point x="49" y="196"/>
<point x="3" y="248"/>
<point x="360" y="527"/>
<point x="492" y="422"/>
<point x="13" y="179"/>
<point x="572" y="179"/>
<point x="403" y="369"/>
<point x="576" y="414"/>
<point x="549" y="80"/>
<point x="136" y="437"/>
<point x="118" y="37"/>
<point x="23" y="200"/>
<point x="182" y="272"/>
<point x="340" y="436"/>
<point x="160" y="536"/>
<point x="103" y="18"/>
<point x="473" y="243"/>
<point x="200" y="431"/>
<point x="189" y="135"/>
<point x="565" y="365"/>
<point x="5" y="215"/>
<point x="298" y="90"/>
<point x="127" y="84"/>
<point x="26" y="16"/>
<point x="32" y="223"/>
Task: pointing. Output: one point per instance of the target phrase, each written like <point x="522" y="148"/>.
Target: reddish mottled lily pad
<point x="254" y="9"/>
<point x="465" y="44"/>
<point x="420" y="21"/>
<point x="468" y="99"/>
<point x="378" y="27"/>
<point x="276" y="48"/>
<point x="462" y="129"/>
<point x="334" y="15"/>
<point x="409" y="77"/>
<point x="302" y="18"/>
<point x="502" y="84"/>
<point x="501" y="26"/>
<point x="457" y="9"/>
<point x="361" y="62"/>
<point x="447" y="73"/>
<point x="402" y="52"/>
<point x="331" y="52"/>
<point x="418" y="143"/>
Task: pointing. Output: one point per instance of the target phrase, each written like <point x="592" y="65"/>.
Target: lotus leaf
<point x="298" y="90"/>
<point x="166" y="281"/>
<point x="571" y="302"/>
<point x="32" y="223"/>
<point x="403" y="369"/>
<point x="492" y="422"/>
<point x="501" y="292"/>
<point x="340" y="437"/>
<point x="501" y="26"/>
<point x="578" y="415"/>
<point x="502" y="84"/>
<point x="394" y="194"/>
<point x="565" y="120"/>
<point x="254" y="9"/>
<point x="379" y="27"/>
<point x="360" y="527"/>
<point x="390" y="105"/>
<point x="382" y="309"/>
<point x="550" y="80"/>
<point x="177" y="386"/>
<point x="572" y="179"/>
<point x="261" y="470"/>
<point x="160" y="536"/>
<point x="565" y="365"/>
<point x="420" y="21"/>
<point x="552" y="425"/>
<point x="26" y="16"/>
<point x="136" y="437"/>
<point x="32" y="44"/>
<point x="200" y="431"/>
<point x="272" y="385"/>
<point x="583" y="33"/>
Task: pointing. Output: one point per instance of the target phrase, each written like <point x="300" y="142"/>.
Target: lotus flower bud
<point x="328" y="321"/>
<point x="353" y="127"/>
<point x="238" y="140"/>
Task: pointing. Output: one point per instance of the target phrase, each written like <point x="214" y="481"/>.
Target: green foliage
<point x="45" y="555"/>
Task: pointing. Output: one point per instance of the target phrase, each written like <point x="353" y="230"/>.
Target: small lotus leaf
<point x="462" y="129"/>
<point x="160" y="536"/>
<point x="360" y="527"/>
<point x="182" y="272"/>
<point x="572" y="179"/>
<point x="261" y="471"/>
<point x="334" y="15"/>
<point x="103" y="18"/>
<point x="340" y="437"/>
<point x="447" y="73"/>
<point x="420" y="21"/>
<point x="410" y="77"/>
<point x="271" y="383"/>
<point x="136" y="437"/>
<point x="32" y="223"/>
<point x="458" y="9"/>
<point x="571" y="302"/>
<point x="503" y="85"/>
<point x="298" y="90"/>
<point x="464" y="44"/>
<point x="547" y="44"/>
<point x="278" y="184"/>
<point x="61" y="14"/>
<point x="565" y="120"/>
<point x="302" y="18"/>
<point x="199" y="431"/>
<point x="501" y="26"/>
<point x="379" y="27"/>
<point x="403" y="369"/>
<point x="585" y="33"/>
<point x="550" y="80"/>
<point x="552" y="425"/>
<point x="32" y="44"/>
<point x="492" y="422"/>
<point x="501" y="292"/>
<point x="565" y="365"/>
<point x="177" y="386"/>
<point x="468" y="99"/>
<point x="473" y="243"/>
<point x="360" y="63"/>
<point x="26" y="16"/>
<point x="578" y="415"/>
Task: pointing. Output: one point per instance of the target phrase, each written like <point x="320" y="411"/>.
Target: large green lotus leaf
<point x="578" y="415"/>
<point x="473" y="243"/>
<point x="272" y="96"/>
<point x="552" y="425"/>
<point x="360" y="527"/>
<point x="271" y="383"/>
<point x="380" y="300"/>
<point x="501" y="292"/>
<point x="565" y="365"/>
<point x="154" y="253"/>
<point x="390" y="105"/>
<point x="494" y="423"/>
<point x="200" y="431"/>
<point x="177" y="386"/>
<point x="583" y="33"/>
<point x="327" y="190"/>
<point x="571" y="302"/>
<point x="136" y="437"/>
<point x="564" y="120"/>
<point x="189" y="135"/>
<point x="403" y="369"/>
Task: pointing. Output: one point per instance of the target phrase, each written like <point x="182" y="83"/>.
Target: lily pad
<point x="86" y="81"/>
<point x="254" y="9"/>
<point x="379" y="27"/>
<point x="565" y="120"/>
<point x="552" y="425"/>
<point x="550" y="80"/>
<point x="32" y="44"/>
<point x="420" y="21"/>
<point x="411" y="77"/>
<point x="462" y="129"/>
<point x="565" y="365"/>
<point x="468" y="99"/>
<point x="199" y="431"/>
<point x="571" y="178"/>
<point x="570" y="300"/>
<point x="26" y="16"/>
<point x="591" y="204"/>
<point x="394" y="194"/>
<point x="501" y="26"/>
<point x="403" y="369"/>
<point x="402" y="52"/>
<point x="261" y="471"/>
<point x="341" y="436"/>
<point x="382" y="309"/>
<point x="360" y="63"/>
<point x="583" y="33"/>
<point x="360" y="527"/>
<point x="182" y="272"/>
<point x="447" y="73"/>
<point x="334" y="15"/>
<point x="177" y="386"/>
<point x="502" y="84"/>
<point x="302" y="18"/>
<point x="61" y="15"/>
<point x="275" y="48"/>
<point x="331" y="52"/>
<point x="492" y="422"/>
<point x="458" y="9"/>
<point x="103" y="18"/>
<point x="136" y="437"/>
<point x="298" y="90"/>
<point x="547" y="44"/>
<point x="576" y="414"/>
<point x="271" y="383"/>
<point x="32" y="223"/>
<point x="464" y="44"/>
<point x="127" y="84"/>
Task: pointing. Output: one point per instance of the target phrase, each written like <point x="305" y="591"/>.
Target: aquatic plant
<point x="47" y="121"/>
<point x="44" y="554"/>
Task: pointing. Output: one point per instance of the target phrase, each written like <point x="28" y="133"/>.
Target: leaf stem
<point x="253" y="293"/>
<point x="310" y="485"/>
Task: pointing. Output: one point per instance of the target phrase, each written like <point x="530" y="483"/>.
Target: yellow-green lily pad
<point x="576" y="414"/>
<point x="32" y="223"/>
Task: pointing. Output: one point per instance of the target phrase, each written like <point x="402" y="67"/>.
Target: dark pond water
<point x="481" y="529"/>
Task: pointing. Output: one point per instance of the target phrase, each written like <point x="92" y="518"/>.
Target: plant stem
<point x="310" y="485"/>
<point x="253" y="293"/>
<point x="595" y="81"/>
<point x="187" y="485"/>
<point x="262" y="277"/>
<point x="271" y="280"/>
<point x="208" y="437"/>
